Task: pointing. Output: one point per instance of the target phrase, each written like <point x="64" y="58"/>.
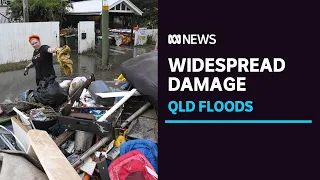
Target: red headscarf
<point x="34" y="36"/>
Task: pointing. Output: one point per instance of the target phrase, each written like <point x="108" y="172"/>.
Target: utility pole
<point x="105" y="33"/>
<point x="25" y="11"/>
<point x="132" y="27"/>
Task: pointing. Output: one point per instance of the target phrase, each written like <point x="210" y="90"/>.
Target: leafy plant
<point x="69" y="31"/>
<point x="149" y="40"/>
<point x="149" y="17"/>
<point x="39" y="10"/>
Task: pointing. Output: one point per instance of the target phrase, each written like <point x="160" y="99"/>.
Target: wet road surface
<point x="14" y="83"/>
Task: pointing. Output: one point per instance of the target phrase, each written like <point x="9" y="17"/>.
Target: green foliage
<point x="39" y="10"/>
<point x="16" y="66"/>
<point x="149" y="17"/>
<point x="13" y="66"/>
<point x="149" y="40"/>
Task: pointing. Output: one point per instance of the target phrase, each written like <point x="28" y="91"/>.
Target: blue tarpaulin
<point x="147" y="147"/>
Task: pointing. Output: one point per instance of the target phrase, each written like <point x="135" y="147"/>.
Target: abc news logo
<point x="192" y="39"/>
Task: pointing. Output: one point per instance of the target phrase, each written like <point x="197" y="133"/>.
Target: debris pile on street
<point x="91" y="128"/>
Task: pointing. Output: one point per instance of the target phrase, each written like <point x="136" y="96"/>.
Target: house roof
<point x="94" y="7"/>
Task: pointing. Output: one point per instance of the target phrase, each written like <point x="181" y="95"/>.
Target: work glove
<point x="26" y="71"/>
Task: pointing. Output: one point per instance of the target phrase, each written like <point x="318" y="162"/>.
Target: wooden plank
<point x="54" y="163"/>
<point x="19" y="124"/>
<point x="62" y="138"/>
<point x="33" y="155"/>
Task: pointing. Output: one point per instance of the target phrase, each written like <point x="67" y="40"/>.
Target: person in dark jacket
<point x="41" y="59"/>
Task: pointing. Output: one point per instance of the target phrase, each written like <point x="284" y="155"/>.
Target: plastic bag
<point x="142" y="73"/>
<point x="65" y="84"/>
<point x="76" y="84"/>
<point x="50" y="93"/>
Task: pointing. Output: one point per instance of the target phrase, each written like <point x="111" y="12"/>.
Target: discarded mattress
<point x="142" y="73"/>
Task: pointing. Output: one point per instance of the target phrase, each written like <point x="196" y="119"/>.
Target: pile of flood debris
<point x="85" y="129"/>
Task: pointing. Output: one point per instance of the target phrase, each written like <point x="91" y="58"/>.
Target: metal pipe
<point x="116" y="94"/>
<point x="105" y="33"/>
<point x="32" y="125"/>
<point x="136" y="114"/>
<point x="7" y="142"/>
<point x="90" y="151"/>
<point x="116" y="106"/>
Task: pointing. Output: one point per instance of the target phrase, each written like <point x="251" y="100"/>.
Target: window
<point x="4" y="2"/>
<point x="123" y="7"/>
<point x="118" y="7"/>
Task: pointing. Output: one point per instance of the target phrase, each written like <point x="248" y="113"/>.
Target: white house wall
<point x="3" y="10"/>
<point x="89" y="42"/>
<point x="95" y="7"/>
<point x="14" y="45"/>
